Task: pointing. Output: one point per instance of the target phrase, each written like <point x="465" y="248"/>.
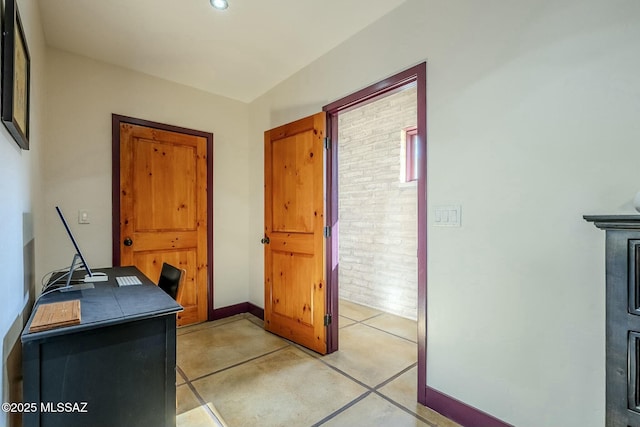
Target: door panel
<point x="293" y="167"/>
<point x="156" y="166"/>
<point x="163" y="209"/>
<point x="295" y="291"/>
<point x="291" y="298"/>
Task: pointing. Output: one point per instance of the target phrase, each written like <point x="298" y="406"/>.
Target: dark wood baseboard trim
<point x="460" y="412"/>
<point x="256" y="311"/>
<point x="232" y="310"/>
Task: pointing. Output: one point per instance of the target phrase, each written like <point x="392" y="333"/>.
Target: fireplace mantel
<point x="613" y="222"/>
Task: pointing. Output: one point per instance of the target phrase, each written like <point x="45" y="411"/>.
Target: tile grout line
<point x="242" y="363"/>
<point x="188" y="381"/>
<point x="361" y="322"/>
<point x="341" y="410"/>
<point x="407" y="410"/>
<point x="210" y="326"/>
<point x="395" y="376"/>
<point x="390" y="333"/>
<point x="320" y="359"/>
<point x="370" y="390"/>
<point x="355" y="380"/>
<point x="376" y="390"/>
<point x="199" y="398"/>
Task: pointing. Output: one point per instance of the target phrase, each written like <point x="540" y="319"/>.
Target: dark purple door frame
<point x="434" y="399"/>
<point x="417" y="75"/>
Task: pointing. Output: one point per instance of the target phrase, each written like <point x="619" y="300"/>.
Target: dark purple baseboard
<point x="232" y="310"/>
<point x="460" y="412"/>
<point x="256" y="311"/>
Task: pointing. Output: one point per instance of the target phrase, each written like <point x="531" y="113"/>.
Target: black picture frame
<point x="16" y="65"/>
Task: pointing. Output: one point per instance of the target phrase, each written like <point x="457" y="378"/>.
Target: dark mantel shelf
<point x="609" y="222"/>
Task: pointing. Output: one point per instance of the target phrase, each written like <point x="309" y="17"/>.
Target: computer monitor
<point x="90" y="276"/>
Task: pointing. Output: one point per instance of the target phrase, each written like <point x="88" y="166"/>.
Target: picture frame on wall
<point x="16" y="64"/>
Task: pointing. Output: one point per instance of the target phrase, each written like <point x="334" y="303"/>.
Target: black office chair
<point x="170" y="278"/>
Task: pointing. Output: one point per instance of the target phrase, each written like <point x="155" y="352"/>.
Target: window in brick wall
<point x="409" y="154"/>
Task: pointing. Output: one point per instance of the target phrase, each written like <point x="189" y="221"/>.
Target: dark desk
<point x="120" y="360"/>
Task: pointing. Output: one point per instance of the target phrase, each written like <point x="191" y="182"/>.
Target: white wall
<point x="532" y="115"/>
<point x="20" y="194"/>
<point x="82" y="95"/>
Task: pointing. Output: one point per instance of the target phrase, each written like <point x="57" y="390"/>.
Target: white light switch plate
<point x="83" y="216"/>
<point x="447" y="216"/>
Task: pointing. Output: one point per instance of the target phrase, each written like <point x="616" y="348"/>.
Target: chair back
<point x="169" y="281"/>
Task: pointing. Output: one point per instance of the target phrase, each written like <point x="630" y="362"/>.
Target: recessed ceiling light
<point x="220" y="4"/>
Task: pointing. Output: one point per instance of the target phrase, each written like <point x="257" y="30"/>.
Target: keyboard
<point x="128" y="280"/>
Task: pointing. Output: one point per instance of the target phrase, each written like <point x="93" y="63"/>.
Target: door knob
<point x="265" y="240"/>
<point x="128" y="241"/>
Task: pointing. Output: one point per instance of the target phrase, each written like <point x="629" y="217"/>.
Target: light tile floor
<point x="232" y="371"/>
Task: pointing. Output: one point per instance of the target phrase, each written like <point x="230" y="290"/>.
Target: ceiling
<point x="239" y="53"/>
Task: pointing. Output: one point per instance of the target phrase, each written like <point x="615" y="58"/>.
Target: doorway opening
<point x="411" y="83"/>
<point x="377" y="206"/>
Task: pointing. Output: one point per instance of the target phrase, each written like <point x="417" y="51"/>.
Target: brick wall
<point x="378" y="213"/>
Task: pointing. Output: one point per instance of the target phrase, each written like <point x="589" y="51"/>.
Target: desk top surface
<point x="108" y="304"/>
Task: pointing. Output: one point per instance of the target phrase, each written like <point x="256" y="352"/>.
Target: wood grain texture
<point x="163" y="209"/>
<point x="56" y="315"/>
<point x="295" y="291"/>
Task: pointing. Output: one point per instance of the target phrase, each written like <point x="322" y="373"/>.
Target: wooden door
<point x="164" y="209"/>
<point x="295" y="290"/>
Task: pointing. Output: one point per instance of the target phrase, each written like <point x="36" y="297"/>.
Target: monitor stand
<point x="68" y="287"/>
<point x="77" y="287"/>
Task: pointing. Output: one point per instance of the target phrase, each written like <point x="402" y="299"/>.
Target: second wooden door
<point x="295" y="291"/>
